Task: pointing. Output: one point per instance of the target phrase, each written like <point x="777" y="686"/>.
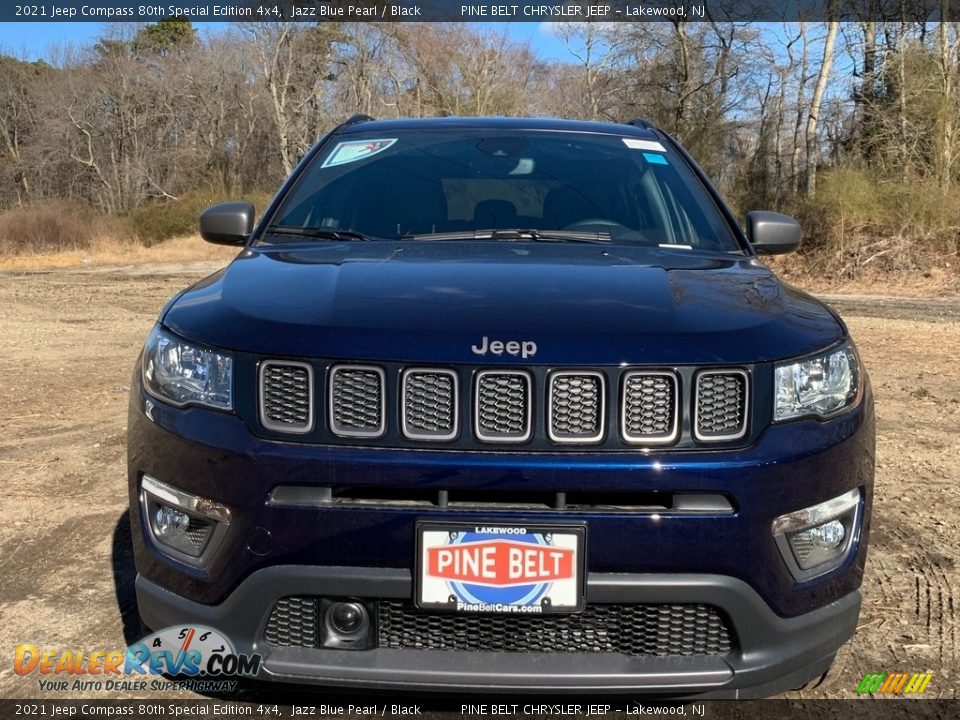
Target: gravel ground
<point x="68" y="340"/>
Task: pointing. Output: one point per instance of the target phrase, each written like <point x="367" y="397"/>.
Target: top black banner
<point x="314" y="11"/>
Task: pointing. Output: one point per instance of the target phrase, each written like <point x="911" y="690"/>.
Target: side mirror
<point x="228" y="223"/>
<point x="771" y="233"/>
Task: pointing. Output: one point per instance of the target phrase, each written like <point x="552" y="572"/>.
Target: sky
<point x="32" y="40"/>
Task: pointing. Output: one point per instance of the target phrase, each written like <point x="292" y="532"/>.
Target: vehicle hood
<point x="434" y="301"/>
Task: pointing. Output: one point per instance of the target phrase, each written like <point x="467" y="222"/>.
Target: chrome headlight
<point x="181" y="373"/>
<point x="820" y="386"/>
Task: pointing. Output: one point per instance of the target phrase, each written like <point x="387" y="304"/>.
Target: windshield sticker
<point x="348" y="152"/>
<point x="655" y="159"/>
<point x="637" y="144"/>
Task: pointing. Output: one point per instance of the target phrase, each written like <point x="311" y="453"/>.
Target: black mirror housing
<point x="771" y="233"/>
<point x="227" y="223"/>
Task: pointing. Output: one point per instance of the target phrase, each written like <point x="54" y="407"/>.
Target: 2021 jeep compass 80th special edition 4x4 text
<point x="504" y="403"/>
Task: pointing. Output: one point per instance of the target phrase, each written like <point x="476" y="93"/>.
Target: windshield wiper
<point x="516" y="234"/>
<point x="318" y="233"/>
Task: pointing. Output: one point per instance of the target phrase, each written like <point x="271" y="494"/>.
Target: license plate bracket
<point x="500" y="568"/>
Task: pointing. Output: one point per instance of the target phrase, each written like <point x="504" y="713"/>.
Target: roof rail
<point x="358" y="118"/>
<point x="642" y="123"/>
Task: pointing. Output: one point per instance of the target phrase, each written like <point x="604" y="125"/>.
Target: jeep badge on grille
<point x="523" y="348"/>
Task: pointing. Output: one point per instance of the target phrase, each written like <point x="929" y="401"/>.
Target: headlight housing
<point x="822" y="385"/>
<point x="181" y="373"/>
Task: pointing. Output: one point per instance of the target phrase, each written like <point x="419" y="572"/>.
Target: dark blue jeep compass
<point x="512" y="404"/>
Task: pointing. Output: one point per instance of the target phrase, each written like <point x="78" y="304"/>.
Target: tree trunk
<point x="815" y="104"/>
<point x="946" y="105"/>
<point x="801" y="102"/>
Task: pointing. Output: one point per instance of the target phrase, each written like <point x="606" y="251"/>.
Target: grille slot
<point x="429" y="404"/>
<point x="637" y="630"/>
<point x="720" y="411"/>
<point x="294" y="622"/>
<point x="286" y="396"/>
<point x="650" y="408"/>
<point x="502" y="406"/>
<point x="357" y="396"/>
<point x="576" y="407"/>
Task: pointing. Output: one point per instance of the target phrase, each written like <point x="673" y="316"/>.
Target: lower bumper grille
<point x="657" y="630"/>
<point x="294" y="622"/>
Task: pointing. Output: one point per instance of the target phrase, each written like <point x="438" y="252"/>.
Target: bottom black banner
<point x="447" y="707"/>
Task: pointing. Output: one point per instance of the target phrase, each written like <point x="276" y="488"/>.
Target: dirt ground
<point x="68" y="339"/>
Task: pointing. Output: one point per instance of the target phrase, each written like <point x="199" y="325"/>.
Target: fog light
<point x="183" y="525"/>
<point x="816" y="545"/>
<point x="346" y="624"/>
<point x="817" y="539"/>
<point x="829" y="535"/>
<point x="347" y="617"/>
<point x="171" y="522"/>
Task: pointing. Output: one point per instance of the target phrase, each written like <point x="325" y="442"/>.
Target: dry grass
<point x="54" y="227"/>
<point x="942" y="281"/>
<point x="109" y="251"/>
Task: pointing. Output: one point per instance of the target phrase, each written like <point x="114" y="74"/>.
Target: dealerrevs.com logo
<point x="190" y="651"/>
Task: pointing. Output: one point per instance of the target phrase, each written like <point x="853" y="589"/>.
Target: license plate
<point x="500" y="568"/>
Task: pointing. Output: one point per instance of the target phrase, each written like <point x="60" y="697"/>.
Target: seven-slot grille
<point x="357" y="401"/>
<point x="286" y="396"/>
<point x="503" y="406"/>
<point x="720" y="412"/>
<point x="429" y="404"/>
<point x="650" y="407"/>
<point x="576" y="407"/>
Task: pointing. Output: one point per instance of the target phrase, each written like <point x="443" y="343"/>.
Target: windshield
<point x="464" y="184"/>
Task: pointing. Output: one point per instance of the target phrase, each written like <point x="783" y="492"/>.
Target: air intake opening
<point x="357" y="399"/>
<point x="286" y="396"/>
<point x="720" y="406"/>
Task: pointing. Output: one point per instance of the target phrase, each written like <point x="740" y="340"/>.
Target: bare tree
<point x="801" y="65"/>
<point x="947" y="46"/>
<point x="816" y="101"/>
<point x="18" y="119"/>
<point x="597" y="51"/>
<point x="296" y="62"/>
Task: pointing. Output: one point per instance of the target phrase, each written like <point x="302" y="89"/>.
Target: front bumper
<point x="786" y="631"/>
<point x="773" y="654"/>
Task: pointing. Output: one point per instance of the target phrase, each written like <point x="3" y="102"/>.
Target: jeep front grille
<point x="429" y="404"/>
<point x="576" y="407"/>
<point x="649" y="408"/>
<point x="476" y="408"/>
<point x="357" y="396"/>
<point x="286" y="396"/>
<point x="720" y="412"/>
<point x="502" y="406"/>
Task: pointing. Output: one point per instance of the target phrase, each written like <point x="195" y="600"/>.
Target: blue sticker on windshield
<point x="348" y="152"/>
<point x="655" y="159"/>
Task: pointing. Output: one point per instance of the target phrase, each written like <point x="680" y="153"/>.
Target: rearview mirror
<point x="771" y="233"/>
<point x="228" y="223"/>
